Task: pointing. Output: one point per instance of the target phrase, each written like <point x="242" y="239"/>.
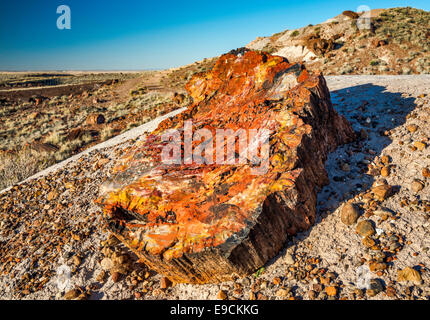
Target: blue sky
<point x="136" y="35"/>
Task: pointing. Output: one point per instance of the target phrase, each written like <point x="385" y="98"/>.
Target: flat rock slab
<point x="206" y="221"/>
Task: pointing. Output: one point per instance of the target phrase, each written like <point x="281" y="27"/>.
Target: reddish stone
<point x="202" y="223"/>
<point x="165" y="283"/>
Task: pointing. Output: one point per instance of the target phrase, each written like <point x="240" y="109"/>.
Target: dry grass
<point x="18" y="165"/>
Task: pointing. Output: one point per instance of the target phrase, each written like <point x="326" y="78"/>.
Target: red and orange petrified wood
<point x="206" y="221"/>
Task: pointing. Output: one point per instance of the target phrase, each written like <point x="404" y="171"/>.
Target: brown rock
<point x="282" y="293"/>
<point x="331" y="291"/>
<point x="409" y="274"/>
<point x="349" y="214"/>
<point x="351" y="14"/>
<point x="222" y="295"/>
<point x="385" y="171"/>
<point x="76" y="260"/>
<point x="365" y="228"/>
<point x="95" y="119"/>
<point x="178" y="98"/>
<point x="106" y="264"/>
<point x="377" y="266"/>
<point x="420" y="145"/>
<point x="312" y="295"/>
<point x="382" y="192"/>
<point x="165" y="283"/>
<point x="72" y="294"/>
<point x="116" y="276"/>
<point x="417" y="186"/>
<point x="52" y="195"/>
<point x="385" y="160"/>
<point x="204" y="223"/>
<point x="412" y="128"/>
<point x="74" y="134"/>
<point x="368" y="242"/>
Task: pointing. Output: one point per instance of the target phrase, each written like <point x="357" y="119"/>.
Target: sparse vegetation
<point x="37" y="131"/>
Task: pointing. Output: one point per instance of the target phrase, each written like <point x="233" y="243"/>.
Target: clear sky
<point x="136" y="35"/>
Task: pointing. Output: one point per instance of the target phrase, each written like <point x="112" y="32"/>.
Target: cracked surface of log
<point x="200" y="223"/>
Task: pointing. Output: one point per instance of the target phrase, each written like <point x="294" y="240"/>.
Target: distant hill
<point x="398" y="42"/>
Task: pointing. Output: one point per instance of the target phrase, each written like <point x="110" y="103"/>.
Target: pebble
<point x="76" y="260"/>
<point x="106" y="264"/>
<point x="420" y="145"/>
<point x="412" y="128"/>
<point x="417" y="186"/>
<point x="365" y="228"/>
<point x="289" y="259"/>
<point x="382" y="192"/>
<point x="409" y="274"/>
<point x="222" y="295"/>
<point x="377" y="266"/>
<point x="165" y="283"/>
<point x="349" y="214"/>
<point x="382" y="213"/>
<point x="282" y="293"/>
<point x="116" y="276"/>
<point x="312" y="294"/>
<point x="331" y="291"/>
<point x="72" y="294"/>
<point x="385" y="171"/>
<point x="385" y="160"/>
<point x="376" y="287"/>
<point x="368" y="242"/>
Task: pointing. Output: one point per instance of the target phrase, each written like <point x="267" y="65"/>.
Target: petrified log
<point x="208" y="222"/>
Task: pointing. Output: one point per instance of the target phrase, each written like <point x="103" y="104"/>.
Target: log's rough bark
<point x="200" y="223"/>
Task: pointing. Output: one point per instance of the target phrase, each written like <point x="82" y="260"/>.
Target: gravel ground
<point x="52" y="243"/>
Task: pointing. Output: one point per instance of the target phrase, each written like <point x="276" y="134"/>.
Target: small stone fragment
<point x="382" y="192"/>
<point x="72" y="294"/>
<point x="382" y="213"/>
<point x="376" y="287"/>
<point x="385" y="171"/>
<point x="385" y="160"/>
<point x="106" y="264"/>
<point x="349" y="214"/>
<point x="377" y="266"/>
<point x="420" y="145"/>
<point x="282" y="293"/>
<point x="165" y="283"/>
<point x="368" y="242"/>
<point x="412" y="128"/>
<point x="222" y="295"/>
<point x="289" y="258"/>
<point x="331" y="291"/>
<point x="426" y="172"/>
<point x="312" y="294"/>
<point x="115" y="276"/>
<point x="417" y="186"/>
<point x="365" y="228"/>
<point x="409" y="274"/>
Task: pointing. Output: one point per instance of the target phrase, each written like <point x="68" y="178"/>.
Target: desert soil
<point x="50" y="225"/>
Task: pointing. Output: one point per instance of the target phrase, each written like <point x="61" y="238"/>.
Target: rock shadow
<point x="373" y="112"/>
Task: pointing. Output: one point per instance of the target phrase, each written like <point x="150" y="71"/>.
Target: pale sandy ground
<point x="390" y="99"/>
